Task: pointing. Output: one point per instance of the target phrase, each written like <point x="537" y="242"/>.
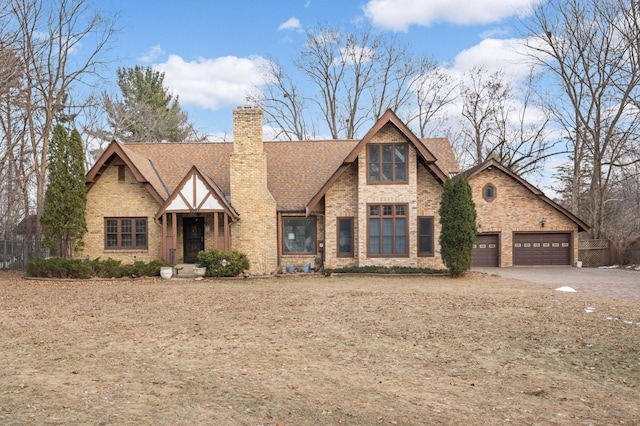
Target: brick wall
<point x="429" y="196"/>
<point x="299" y="260"/>
<point x="341" y="200"/>
<point x="515" y="209"/>
<point x="256" y="232"/>
<point x="388" y="194"/>
<point x="110" y="198"/>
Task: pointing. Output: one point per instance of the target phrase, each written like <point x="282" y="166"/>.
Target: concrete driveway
<point x="619" y="283"/>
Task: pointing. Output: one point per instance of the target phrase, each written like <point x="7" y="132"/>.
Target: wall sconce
<point x="479" y="225"/>
<point x="542" y="222"/>
<point x="207" y="228"/>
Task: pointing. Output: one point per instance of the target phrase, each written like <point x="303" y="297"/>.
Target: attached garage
<point x="542" y="248"/>
<point x="486" y="251"/>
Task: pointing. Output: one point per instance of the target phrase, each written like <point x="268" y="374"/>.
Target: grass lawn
<point x="352" y="350"/>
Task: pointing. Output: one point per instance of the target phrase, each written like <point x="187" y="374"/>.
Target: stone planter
<point x="166" y="272"/>
<point x="199" y="272"/>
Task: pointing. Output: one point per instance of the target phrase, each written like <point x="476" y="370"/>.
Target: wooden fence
<point x="598" y="253"/>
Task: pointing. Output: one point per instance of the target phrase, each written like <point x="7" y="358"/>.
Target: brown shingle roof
<point x="296" y="170"/>
<point x="442" y="150"/>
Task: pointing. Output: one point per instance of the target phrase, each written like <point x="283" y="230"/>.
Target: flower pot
<point x="166" y="272"/>
<point x="199" y="272"/>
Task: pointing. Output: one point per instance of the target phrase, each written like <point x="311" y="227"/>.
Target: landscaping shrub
<point x="223" y="263"/>
<point x="108" y="268"/>
<point x="382" y="270"/>
<point x="142" y="269"/>
<point x="57" y="267"/>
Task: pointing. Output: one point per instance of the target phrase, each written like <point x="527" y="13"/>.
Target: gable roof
<point x="425" y="155"/>
<point x="197" y="192"/>
<point x="492" y="163"/>
<point x="390" y="117"/>
<point x="162" y="167"/>
<point x="141" y="168"/>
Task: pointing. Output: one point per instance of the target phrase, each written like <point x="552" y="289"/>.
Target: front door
<point x="193" y="238"/>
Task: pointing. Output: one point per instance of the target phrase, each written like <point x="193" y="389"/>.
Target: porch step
<point x="183" y="270"/>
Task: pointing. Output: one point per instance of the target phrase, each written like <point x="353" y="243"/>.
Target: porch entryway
<point x="196" y="216"/>
<point x="193" y="238"/>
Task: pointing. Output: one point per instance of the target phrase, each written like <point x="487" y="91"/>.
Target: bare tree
<point x="591" y="48"/>
<point x="284" y="104"/>
<point x="61" y="43"/>
<point x="434" y="90"/>
<point x="523" y="143"/>
<point x="12" y="131"/>
<point x="483" y="96"/>
<point x="354" y="78"/>
<point x="318" y="62"/>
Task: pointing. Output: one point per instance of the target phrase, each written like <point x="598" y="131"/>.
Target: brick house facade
<point x="336" y="203"/>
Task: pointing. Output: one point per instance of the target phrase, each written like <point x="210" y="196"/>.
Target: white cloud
<point x="153" y="54"/>
<point x="506" y="55"/>
<point x="399" y="15"/>
<point x="212" y="83"/>
<point x="290" y="24"/>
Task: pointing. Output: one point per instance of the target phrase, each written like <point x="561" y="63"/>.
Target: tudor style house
<point x="372" y="201"/>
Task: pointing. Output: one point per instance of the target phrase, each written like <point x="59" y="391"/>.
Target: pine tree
<point x="147" y="111"/>
<point x="458" y="225"/>
<point x="63" y="220"/>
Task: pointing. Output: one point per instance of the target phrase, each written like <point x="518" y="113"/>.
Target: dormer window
<point x="387" y="163"/>
<point x="489" y="192"/>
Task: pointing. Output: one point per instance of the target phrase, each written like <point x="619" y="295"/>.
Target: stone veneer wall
<point x="515" y="209"/>
<point x="255" y="234"/>
<point x="110" y="198"/>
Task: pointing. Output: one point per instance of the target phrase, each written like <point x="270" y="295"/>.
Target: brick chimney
<point x="256" y="232"/>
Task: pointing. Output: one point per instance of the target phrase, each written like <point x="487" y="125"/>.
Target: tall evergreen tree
<point x="147" y="111"/>
<point x="458" y="225"/>
<point x="64" y="222"/>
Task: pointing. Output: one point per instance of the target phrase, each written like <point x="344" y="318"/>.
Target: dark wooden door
<point x="486" y="250"/>
<point x="193" y="238"/>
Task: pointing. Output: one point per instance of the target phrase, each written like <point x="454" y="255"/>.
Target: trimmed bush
<point x="382" y="270"/>
<point x="223" y="263"/>
<point x="108" y="268"/>
<point x="56" y="267"/>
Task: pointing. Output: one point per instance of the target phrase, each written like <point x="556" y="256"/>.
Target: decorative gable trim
<point x="196" y="194"/>
<point x="115" y="150"/>
<point x="490" y="163"/>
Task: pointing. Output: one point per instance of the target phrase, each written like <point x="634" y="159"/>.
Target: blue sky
<point x="209" y="49"/>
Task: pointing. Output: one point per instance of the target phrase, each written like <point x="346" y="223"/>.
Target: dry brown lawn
<point x="315" y="351"/>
